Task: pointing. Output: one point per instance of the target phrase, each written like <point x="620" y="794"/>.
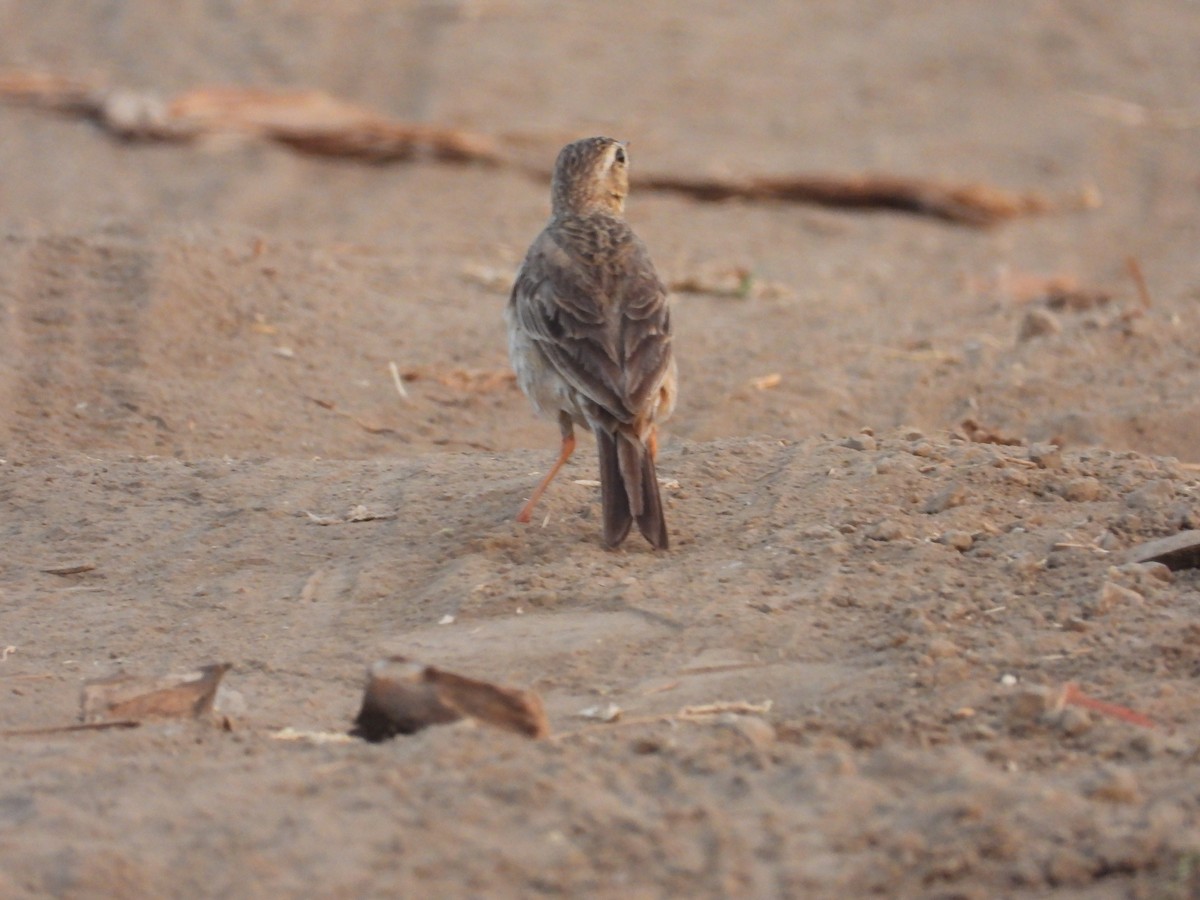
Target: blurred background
<point x="229" y="295"/>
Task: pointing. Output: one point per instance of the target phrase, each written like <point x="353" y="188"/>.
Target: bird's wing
<point x="599" y="313"/>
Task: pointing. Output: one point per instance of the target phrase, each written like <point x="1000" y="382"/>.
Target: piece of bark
<point x="47" y="91"/>
<point x="320" y="124"/>
<point x="70" y="729"/>
<point x="309" y="121"/>
<point x="136" y="697"/>
<point x="1177" y="551"/>
<point x="70" y="570"/>
<point x="964" y="204"/>
<point x="403" y="697"/>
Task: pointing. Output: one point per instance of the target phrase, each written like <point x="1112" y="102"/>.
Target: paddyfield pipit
<point x="589" y="335"/>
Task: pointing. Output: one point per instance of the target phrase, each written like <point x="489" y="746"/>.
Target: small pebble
<point x="887" y="465"/>
<point x="1081" y="490"/>
<point x="1110" y="597"/>
<point x="887" y="530"/>
<point x="954" y="495"/>
<point x="1016" y="476"/>
<point x="1148" y="744"/>
<point x="1047" y="456"/>
<point x="860" y="442"/>
<point x="1114" y="784"/>
<point x="959" y="540"/>
<point x="940" y="648"/>
<point x="1073" y="721"/>
<point x="759" y="732"/>
<point x="1038" y="322"/>
<point x="1156" y="494"/>
<point x="1158" y="571"/>
<point x="1028" y="707"/>
<point x="818" y="531"/>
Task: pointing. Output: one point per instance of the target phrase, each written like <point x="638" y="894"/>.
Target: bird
<point x="590" y="336"/>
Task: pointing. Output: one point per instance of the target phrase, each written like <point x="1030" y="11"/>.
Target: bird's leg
<point x="568" y="447"/>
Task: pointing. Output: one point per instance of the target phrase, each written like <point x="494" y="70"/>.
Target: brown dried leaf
<point x="475" y="380"/>
<point x="403" y="697"/>
<point x="1176" y="551"/>
<point x="70" y="570"/>
<point x="967" y="204"/>
<point x="134" y="697"/>
<point x="766" y="382"/>
<point x="46" y="90"/>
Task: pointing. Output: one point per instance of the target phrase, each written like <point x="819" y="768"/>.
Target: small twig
<point x="70" y="570"/>
<point x="365" y="426"/>
<point x="398" y="382"/>
<point x="738" y="707"/>
<point x="1071" y="545"/>
<point x="703" y="713"/>
<point x="1054" y="657"/>
<point x="1017" y="461"/>
<point x="316" y="123"/>
<point x="1135" y="272"/>
<point x="66" y="729"/>
<point x="766" y="382"/>
<point x="313" y="737"/>
<point x="980" y="205"/>
<point x="1135" y="115"/>
<point x="1072" y="696"/>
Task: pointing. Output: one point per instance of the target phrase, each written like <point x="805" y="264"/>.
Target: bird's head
<point x="591" y="175"/>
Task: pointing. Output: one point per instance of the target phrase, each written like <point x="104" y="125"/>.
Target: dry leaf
<point x="70" y="570"/>
<point x="317" y="123"/>
<point x="1176" y="551"/>
<point x="134" y="697"/>
<point x="609" y="712"/>
<point x="766" y="382"/>
<point x="403" y="697"/>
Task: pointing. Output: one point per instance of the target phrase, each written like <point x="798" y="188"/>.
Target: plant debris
<point x="358" y="513"/>
<point x="981" y="434"/>
<point x="136" y="697"/>
<point x="974" y="204"/>
<point x="1176" y="551"/>
<point x="310" y="121"/>
<point x="70" y="570"/>
<point x="317" y="123"/>
<point x="471" y="380"/>
<point x="403" y="697"/>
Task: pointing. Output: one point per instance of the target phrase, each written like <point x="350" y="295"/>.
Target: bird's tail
<point x="629" y="490"/>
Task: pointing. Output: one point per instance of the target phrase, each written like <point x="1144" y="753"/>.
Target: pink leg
<point x="568" y="447"/>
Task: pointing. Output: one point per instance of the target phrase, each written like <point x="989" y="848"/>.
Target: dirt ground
<point x="194" y="362"/>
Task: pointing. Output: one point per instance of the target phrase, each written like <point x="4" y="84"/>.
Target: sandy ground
<point x="194" y="350"/>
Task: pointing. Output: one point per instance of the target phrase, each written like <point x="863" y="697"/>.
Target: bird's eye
<point x="619" y="156"/>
